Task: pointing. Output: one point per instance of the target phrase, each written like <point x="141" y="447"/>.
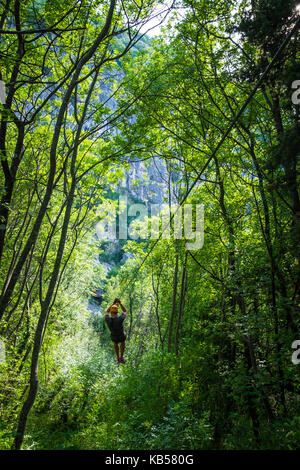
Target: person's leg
<point x="116" y="346"/>
<point x="122" y="348"/>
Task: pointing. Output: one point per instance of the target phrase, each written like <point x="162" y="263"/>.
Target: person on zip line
<point x="116" y="327"/>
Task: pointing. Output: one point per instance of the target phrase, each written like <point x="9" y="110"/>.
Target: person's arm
<point x="123" y="308"/>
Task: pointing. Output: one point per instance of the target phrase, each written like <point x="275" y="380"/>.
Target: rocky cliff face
<point x="147" y="183"/>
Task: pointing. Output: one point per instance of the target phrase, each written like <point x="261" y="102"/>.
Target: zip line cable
<point x="238" y="115"/>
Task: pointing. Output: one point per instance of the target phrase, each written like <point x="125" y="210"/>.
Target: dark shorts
<point x="118" y="339"/>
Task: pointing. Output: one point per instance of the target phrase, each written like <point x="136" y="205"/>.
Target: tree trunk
<point x="181" y="305"/>
<point x="173" y="312"/>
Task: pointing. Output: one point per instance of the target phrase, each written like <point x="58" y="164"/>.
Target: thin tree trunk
<point x="181" y="305"/>
<point x="173" y="312"/>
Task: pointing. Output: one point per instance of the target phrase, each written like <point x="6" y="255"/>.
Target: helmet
<point x="114" y="308"/>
